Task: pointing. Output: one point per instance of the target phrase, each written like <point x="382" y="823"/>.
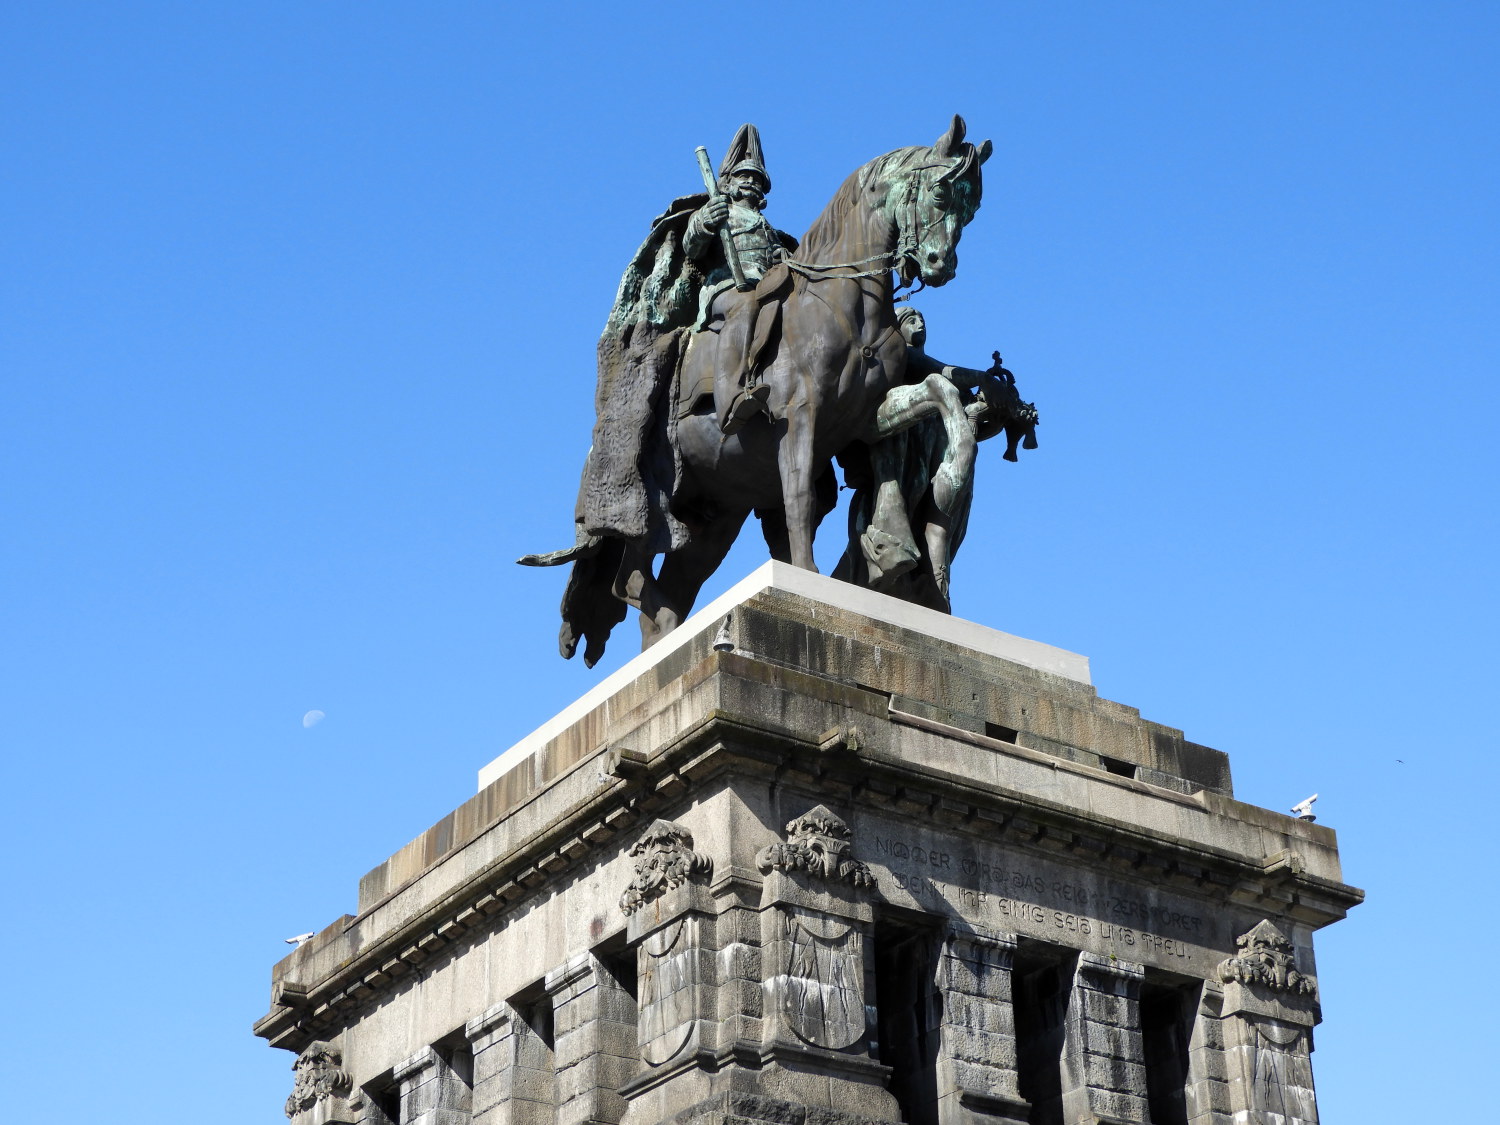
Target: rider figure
<point x="743" y="185"/>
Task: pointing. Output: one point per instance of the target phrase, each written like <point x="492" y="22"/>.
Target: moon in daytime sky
<point x="312" y="719"/>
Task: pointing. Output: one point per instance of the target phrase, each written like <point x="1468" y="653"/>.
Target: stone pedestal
<point x="824" y="858"/>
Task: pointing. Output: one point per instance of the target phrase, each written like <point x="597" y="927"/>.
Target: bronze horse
<point x="837" y="356"/>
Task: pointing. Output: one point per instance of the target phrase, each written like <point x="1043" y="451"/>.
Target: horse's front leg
<point x="794" y="457"/>
<point x="956" y="472"/>
<point x="903" y="407"/>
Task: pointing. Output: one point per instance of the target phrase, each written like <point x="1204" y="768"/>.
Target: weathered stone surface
<point x="869" y="874"/>
<point x="433" y="1091"/>
<point x="818" y="842"/>
<point x="664" y="859"/>
<point x="1265" y="962"/>
<point x="320" y="1094"/>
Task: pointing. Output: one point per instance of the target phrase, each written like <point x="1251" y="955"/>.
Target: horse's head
<point x="934" y="193"/>
<point x="910" y="204"/>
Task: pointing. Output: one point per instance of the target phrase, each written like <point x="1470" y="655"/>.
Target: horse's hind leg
<point x="636" y="586"/>
<point x="798" y="473"/>
<point x="683" y="574"/>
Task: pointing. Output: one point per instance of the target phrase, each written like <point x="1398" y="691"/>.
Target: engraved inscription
<point x="1031" y="899"/>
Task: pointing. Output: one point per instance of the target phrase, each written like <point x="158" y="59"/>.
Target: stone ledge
<point x="720" y="744"/>
<point x="817" y="588"/>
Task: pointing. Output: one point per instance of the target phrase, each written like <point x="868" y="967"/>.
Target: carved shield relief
<point x="822" y="985"/>
<point x="1283" y="1074"/>
<point x="668" y="969"/>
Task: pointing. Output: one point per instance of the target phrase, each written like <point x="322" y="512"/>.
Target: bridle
<point x="909" y="237"/>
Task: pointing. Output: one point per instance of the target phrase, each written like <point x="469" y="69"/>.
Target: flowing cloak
<point x="633" y="470"/>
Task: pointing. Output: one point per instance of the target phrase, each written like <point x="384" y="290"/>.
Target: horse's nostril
<point x="932" y="258"/>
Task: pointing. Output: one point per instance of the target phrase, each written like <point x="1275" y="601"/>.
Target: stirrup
<point x="746" y="405"/>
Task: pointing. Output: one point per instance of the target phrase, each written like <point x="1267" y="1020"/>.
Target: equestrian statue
<point x="738" y="363"/>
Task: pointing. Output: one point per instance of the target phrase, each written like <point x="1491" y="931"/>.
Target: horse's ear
<point x="984" y="150"/>
<point x="947" y="144"/>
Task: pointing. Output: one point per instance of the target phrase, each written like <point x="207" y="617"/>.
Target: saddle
<point x="764" y="305"/>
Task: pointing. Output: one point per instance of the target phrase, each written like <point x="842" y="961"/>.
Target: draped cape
<point x="632" y="468"/>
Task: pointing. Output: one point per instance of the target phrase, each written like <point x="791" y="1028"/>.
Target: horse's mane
<point x="828" y="228"/>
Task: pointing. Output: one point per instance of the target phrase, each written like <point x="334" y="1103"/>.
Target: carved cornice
<point x="1265" y="959"/>
<point x="719" y="743"/>
<point x="664" y="859"/>
<point x="303" y="1010"/>
<point x="819" y="843"/>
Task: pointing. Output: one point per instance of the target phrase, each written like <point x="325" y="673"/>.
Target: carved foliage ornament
<point x="665" y="860"/>
<point x="1265" y="959"/>
<point x="817" y="842"/>
<point x="320" y="1075"/>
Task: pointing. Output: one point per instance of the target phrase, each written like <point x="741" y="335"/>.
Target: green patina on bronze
<point x="736" y="364"/>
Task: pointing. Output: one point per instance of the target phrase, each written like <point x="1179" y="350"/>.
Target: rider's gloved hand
<point x="712" y="214"/>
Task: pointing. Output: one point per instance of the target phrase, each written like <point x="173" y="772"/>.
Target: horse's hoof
<point x="886" y="557"/>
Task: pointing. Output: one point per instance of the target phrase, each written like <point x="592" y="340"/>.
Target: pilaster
<point x="595" y="1051"/>
<point x="816" y="925"/>
<point x="513" y="1079"/>
<point x="977" y="1045"/>
<point x="432" y="1092"/>
<point x="672" y="929"/>
<point x="1207" y="1093"/>
<point x="1269" y="1011"/>
<point x="1103" y="1062"/>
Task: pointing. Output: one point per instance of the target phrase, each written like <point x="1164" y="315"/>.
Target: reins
<point x="906" y="248"/>
<point x="909" y="238"/>
<point x="820" y="273"/>
<point x="887" y="262"/>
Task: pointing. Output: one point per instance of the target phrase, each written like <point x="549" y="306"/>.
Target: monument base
<point x="828" y="858"/>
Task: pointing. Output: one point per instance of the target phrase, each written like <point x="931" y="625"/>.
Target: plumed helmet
<point x="745" y="155"/>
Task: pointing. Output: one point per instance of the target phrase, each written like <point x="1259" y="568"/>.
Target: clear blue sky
<point x="299" y="311"/>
